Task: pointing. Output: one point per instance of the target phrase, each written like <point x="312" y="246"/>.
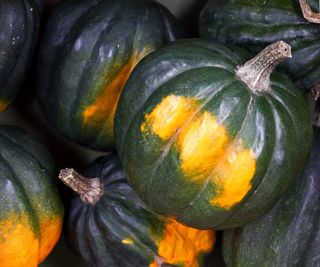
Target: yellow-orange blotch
<point x="102" y="110"/>
<point x="50" y="230"/>
<point x="183" y="245"/>
<point x="233" y="176"/>
<point x="169" y="116"/>
<point x="202" y="143"/>
<point x="205" y="149"/>
<point x="20" y="246"/>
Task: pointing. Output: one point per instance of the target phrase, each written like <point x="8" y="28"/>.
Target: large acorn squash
<point x="207" y="140"/>
<point x="288" y="235"/>
<point x="255" y="24"/>
<point x="87" y="53"/>
<point x="19" y="20"/>
<point x="109" y="226"/>
<point x="30" y="208"/>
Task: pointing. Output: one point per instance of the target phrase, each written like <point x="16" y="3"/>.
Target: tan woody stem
<point x="90" y="190"/>
<point x="256" y="72"/>
<point x="308" y="14"/>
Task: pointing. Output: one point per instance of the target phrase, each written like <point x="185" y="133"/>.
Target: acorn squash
<point x="87" y="53"/>
<point x="108" y="225"/>
<point x="208" y="139"/>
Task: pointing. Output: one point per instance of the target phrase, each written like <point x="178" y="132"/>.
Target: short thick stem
<point x="256" y="72"/>
<point x="307" y="13"/>
<point x="90" y="190"/>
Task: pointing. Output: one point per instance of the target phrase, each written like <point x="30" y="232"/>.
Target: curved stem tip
<point x="256" y="72"/>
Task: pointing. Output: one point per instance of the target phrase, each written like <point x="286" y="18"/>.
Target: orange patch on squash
<point x="202" y="143"/>
<point x="169" y="116"/>
<point x="19" y="246"/>
<point x="181" y="244"/>
<point x="102" y="110"/>
<point x="233" y="176"/>
<point x="50" y="230"/>
<point x="205" y="150"/>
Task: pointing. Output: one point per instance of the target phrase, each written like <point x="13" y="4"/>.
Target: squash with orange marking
<point x="87" y="53"/>
<point x="109" y="226"/>
<point x="31" y="210"/>
<point x="19" y="20"/>
<point x="208" y="138"/>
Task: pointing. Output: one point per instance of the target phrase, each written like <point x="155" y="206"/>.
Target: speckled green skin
<point x="27" y="179"/>
<point x="273" y="124"/>
<point x="96" y="231"/>
<point x="19" y="20"/>
<point x="255" y="24"/>
<point x="85" y="45"/>
<point x="288" y="235"/>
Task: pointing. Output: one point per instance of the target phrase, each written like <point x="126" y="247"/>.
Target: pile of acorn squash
<point x="195" y="134"/>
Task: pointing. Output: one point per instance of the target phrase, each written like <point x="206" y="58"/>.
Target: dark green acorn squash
<point x="87" y="53"/>
<point x="19" y="20"/>
<point x="255" y="24"/>
<point x="30" y="208"/>
<point x="207" y="141"/>
<point x="109" y="226"/>
<point x="289" y="234"/>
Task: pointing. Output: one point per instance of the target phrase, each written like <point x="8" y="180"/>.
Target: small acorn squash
<point x="289" y="234"/>
<point x="19" y="20"/>
<point x="109" y="226"/>
<point x="30" y="208"/>
<point x="256" y="24"/>
<point x="209" y="139"/>
<point x="87" y="53"/>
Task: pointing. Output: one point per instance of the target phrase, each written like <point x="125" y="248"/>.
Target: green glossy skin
<point x="274" y="125"/>
<point x="86" y="49"/>
<point x="289" y="234"/>
<point x="29" y="196"/>
<point x="255" y="24"/>
<point x="19" y="20"/>
<point x="96" y="232"/>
